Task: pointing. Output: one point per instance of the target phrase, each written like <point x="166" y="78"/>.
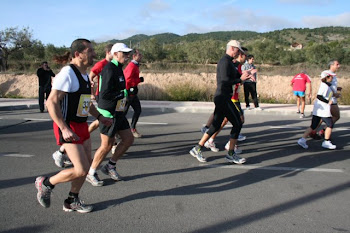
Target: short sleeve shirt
<point x="67" y="81"/>
<point x="321" y="108"/>
<point x="299" y="82"/>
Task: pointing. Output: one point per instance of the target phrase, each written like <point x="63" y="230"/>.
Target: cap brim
<point x="126" y="50"/>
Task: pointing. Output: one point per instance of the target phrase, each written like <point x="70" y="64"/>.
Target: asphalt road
<point x="281" y="188"/>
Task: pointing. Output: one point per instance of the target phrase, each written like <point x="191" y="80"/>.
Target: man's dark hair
<point x="331" y="62"/>
<point x="250" y="56"/>
<point x="108" y="48"/>
<point x="79" y="45"/>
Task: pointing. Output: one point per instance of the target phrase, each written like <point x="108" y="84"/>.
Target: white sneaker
<point x="247" y="108"/>
<point x="328" y="145"/>
<point x="236" y="150"/>
<point x="197" y="153"/>
<point x="258" y="108"/>
<point x="94" y="180"/>
<point x="302" y="115"/>
<point x="235" y="159"/>
<point x="302" y="143"/>
<point x="227" y="146"/>
<point x="58" y="157"/>
<point x="112" y="172"/>
<point x="241" y="138"/>
<point x="211" y="146"/>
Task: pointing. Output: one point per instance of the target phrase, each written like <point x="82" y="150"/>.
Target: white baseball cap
<point x="120" y="47"/>
<point x="236" y="44"/>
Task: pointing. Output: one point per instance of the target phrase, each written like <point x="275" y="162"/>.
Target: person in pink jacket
<point x="300" y="82"/>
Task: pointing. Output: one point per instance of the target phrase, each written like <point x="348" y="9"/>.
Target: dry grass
<point x="161" y="86"/>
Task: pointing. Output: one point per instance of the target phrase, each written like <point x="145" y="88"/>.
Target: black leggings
<point x="250" y="88"/>
<point x="224" y="107"/>
<point x="134" y="102"/>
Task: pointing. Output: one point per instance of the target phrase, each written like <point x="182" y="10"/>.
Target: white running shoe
<point x="302" y="143"/>
<point x="112" y="172"/>
<point x="236" y="150"/>
<point x="328" y="145"/>
<point x="241" y="138"/>
<point x="197" y="153"/>
<point x="58" y="157"/>
<point x="211" y="146"/>
<point x="258" y="108"/>
<point x="235" y="159"/>
<point x="94" y="180"/>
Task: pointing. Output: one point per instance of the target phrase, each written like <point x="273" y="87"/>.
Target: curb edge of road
<point x="184" y="109"/>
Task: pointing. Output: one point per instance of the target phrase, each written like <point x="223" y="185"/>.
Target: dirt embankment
<point x="274" y="87"/>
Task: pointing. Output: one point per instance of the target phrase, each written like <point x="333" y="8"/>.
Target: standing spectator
<point x="322" y="111"/>
<point x="250" y="84"/>
<point x="300" y="83"/>
<point x="69" y="105"/>
<point x="132" y="78"/>
<point x="44" y="74"/>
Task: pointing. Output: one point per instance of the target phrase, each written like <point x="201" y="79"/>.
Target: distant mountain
<point x="285" y="36"/>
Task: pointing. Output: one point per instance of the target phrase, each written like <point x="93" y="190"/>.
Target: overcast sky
<point x="60" y="22"/>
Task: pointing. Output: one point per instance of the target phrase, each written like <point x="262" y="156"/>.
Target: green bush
<point x="187" y="92"/>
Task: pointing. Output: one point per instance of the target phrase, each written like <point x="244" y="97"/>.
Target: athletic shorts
<point x="299" y="93"/>
<point x="316" y="121"/>
<point x="119" y="123"/>
<point x="80" y="129"/>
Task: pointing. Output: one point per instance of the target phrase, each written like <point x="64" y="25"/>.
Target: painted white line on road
<point x="272" y="168"/>
<point x="16" y="155"/>
<point x="286" y="127"/>
<point x="340" y="129"/>
<point x="36" y="119"/>
<point x="151" y="123"/>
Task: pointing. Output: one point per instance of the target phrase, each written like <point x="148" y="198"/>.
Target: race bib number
<point x="120" y="105"/>
<point x="84" y="106"/>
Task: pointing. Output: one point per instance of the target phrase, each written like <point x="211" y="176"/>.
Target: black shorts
<point x="316" y="121"/>
<point x="119" y="123"/>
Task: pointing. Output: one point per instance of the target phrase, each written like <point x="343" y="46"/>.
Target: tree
<point x="13" y="40"/>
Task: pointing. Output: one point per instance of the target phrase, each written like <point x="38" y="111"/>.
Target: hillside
<point x="285" y="36"/>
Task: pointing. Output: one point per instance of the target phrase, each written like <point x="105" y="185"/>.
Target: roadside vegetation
<point x="20" y="53"/>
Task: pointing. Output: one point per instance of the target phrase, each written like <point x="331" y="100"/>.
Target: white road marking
<point x="286" y="127"/>
<point x="36" y="119"/>
<point x="151" y="123"/>
<point x="16" y="155"/>
<point x="273" y="168"/>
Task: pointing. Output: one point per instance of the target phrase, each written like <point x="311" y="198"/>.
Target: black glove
<point x="141" y="79"/>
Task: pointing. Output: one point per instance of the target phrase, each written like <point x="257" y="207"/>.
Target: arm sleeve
<point x="321" y="98"/>
<point x="52" y="73"/>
